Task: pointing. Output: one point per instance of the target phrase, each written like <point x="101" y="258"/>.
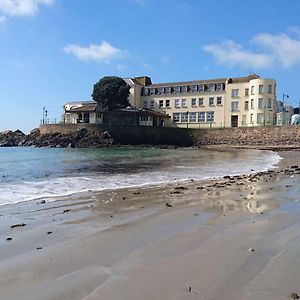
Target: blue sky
<point x="53" y="51"/>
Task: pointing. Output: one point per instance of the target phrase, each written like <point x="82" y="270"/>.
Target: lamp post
<point x="187" y="119"/>
<point x="45" y="114"/>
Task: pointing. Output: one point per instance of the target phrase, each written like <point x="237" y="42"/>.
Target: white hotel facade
<point x="215" y="103"/>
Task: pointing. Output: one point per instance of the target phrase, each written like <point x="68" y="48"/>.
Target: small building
<point x="82" y="112"/>
<point x="89" y="113"/>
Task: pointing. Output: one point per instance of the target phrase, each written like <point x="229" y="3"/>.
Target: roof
<point x="81" y="106"/>
<point x="206" y="81"/>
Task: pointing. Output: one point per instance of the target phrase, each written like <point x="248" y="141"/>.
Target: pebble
<point x="294" y="296"/>
<point x="251" y="250"/>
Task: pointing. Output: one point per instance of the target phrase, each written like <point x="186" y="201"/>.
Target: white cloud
<point x="232" y="54"/>
<point x="22" y="7"/>
<point x="104" y="52"/>
<point x="2" y="19"/>
<point x="272" y="50"/>
<point x="285" y="50"/>
<point x="139" y="2"/>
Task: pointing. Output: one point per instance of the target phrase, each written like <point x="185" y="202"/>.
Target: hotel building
<point x="224" y="102"/>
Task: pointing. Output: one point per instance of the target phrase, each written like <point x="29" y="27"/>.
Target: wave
<point x="175" y="171"/>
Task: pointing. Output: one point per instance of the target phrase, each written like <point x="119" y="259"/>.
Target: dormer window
<point x="220" y="87"/>
<point x="212" y="87"/>
<point x="176" y="89"/>
<point x="152" y="91"/>
<point x="184" y="89"/>
<point x="168" y="90"/>
<point x="194" y="88"/>
<point x="161" y="90"/>
<point x="201" y="87"/>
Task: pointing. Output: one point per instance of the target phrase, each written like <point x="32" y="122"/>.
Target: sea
<point x="34" y="173"/>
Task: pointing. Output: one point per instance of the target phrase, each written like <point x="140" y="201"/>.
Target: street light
<point x="187" y="119"/>
<point x="45" y="113"/>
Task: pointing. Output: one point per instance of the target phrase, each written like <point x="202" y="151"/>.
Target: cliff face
<point x="83" y="138"/>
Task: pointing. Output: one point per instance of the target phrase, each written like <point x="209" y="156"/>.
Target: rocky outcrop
<point x="83" y="138"/>
<point x="11" y="138"/>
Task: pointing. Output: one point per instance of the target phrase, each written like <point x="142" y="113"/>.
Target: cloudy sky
<point x="53" y="51"/>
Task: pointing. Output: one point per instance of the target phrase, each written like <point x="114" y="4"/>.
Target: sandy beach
<point x="232" y="238"/>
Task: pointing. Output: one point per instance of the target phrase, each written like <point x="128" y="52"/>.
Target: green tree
<point x="111" y="92"/>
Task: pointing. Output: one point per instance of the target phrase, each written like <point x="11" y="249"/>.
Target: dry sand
<point x="229" y="239"/>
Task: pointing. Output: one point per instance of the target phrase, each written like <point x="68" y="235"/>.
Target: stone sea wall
<point x="130" y="135"/>
<point x="269" y="136"/>
<point x="90" y="135"/>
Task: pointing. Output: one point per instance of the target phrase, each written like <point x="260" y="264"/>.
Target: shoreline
<point x="158" y="241"/>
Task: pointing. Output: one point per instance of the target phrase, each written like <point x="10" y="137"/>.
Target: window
<point x="274" y="90"/>
<point x="246" y="92"/>
<point x="244" y="120"/>
<point x="234" y="92"/>
<point x="212" y="87"/>
<point x="192" y="117"/>
<point x="260" y="103"/>
<point x="260" y="118"/>
<point x="152" y="91"/>
<point x="184" y="117"/>
<point x="194" y="88"/>
<point x="234" y="105"/>
<point x="202" y="88"/>
<point x="168" y="90"/>
<point x="252" y="104"/>
<point x="251" y="118"/>
<point x="144" y="118"/>
<point x="246" y="105"/>
<point x="161" y="103"/>
<point x="193" y="102"/>
<point x="176" y="89"/>
<point x="269" y="105"/>
<point x="152" y="104"/>
<point x="184" y="89"/>
<point x="219" y="87"/>
<point x="176" y="117"/>
<point x="270" y="89"/>
<point x="177" y="105"/>
<point x="252" y="90"/>
<point x="146" y="92"/>
<point x="211" y="101"/>
<point x="201" y="117"/>
<point x="219" y="100"/>
<point x="201" y="102"/>
<point x="183" y="102"/>
<point x="161" y="90"/>
<point x="260" y="89"/>
<point x="145" y="104"/>
<point x="167" y="103"/>
<point x="210" y="116"/>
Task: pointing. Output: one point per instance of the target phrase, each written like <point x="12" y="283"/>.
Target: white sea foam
<point x="13" y="192"/>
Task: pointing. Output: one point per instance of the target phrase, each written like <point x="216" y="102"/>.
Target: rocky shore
<point x="83" y="138"/>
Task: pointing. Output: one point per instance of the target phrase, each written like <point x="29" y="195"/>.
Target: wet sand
<point x="233" y="238"/>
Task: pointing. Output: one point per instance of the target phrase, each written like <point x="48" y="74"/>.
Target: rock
<point x="251" y="250"/>
<point x="49" y="232"/>
<point x="18" y="225"/>
<point x="8" y="238"/>
<point x="168" y="204"/>
<point x="180" y="188"/>
<point x="294" y="296"/>
<point x="43" y="202"/>
<point x="66" y="210"/>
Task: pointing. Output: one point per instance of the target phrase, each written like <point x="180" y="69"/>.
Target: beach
<point x="232" y="238"/>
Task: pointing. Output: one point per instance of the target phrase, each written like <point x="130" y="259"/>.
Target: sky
<point x="54" y="51"/>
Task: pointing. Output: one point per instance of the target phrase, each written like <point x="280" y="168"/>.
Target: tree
<point x="111" y="92"/>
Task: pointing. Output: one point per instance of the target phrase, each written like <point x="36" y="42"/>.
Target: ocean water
<point x="35" y="173"/>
